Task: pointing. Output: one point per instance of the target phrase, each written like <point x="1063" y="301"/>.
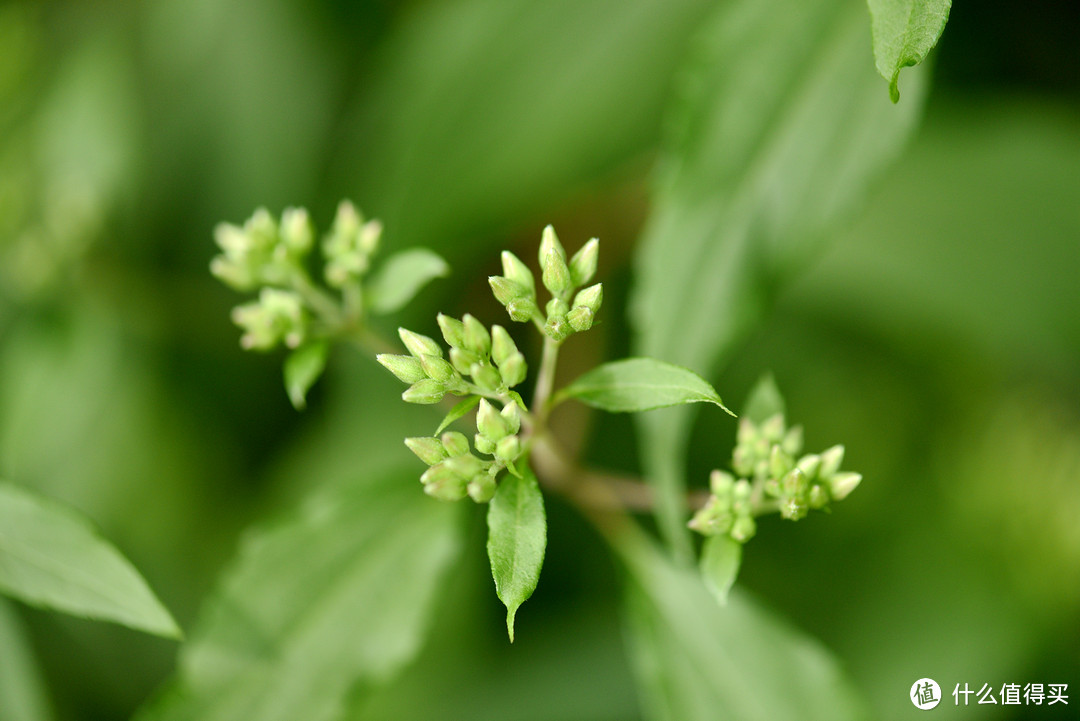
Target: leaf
<point x="22" y="689"/>
<point x="517" y="538"/>
<point x="50" y="556"/>
<point x="639" y="384"/>
<point x="696" y="661"/>
<point x="904" y="32"/>
<point x="778" y="131"/>
<point x="401" y="277"/>
<point x="764" y="400"/>
<point x="460" y="408"/>
<point x="338" y="594"/>
<point x="721" y="557"/>
<point x="302" y="368"/>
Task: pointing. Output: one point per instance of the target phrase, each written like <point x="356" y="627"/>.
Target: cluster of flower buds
<point x="569" y="310"/>
<point x="349" y="246"/>
<point x="455" y="471"/>
<point x="277" y="316"/>
<point x="491" y="360"/>
<point x="771" y="479"/>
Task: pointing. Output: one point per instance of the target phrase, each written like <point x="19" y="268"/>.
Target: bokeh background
<point x="937" y="335"/>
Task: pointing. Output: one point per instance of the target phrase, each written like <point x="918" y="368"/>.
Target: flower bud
<point x="512" y="413"/>
<point x="590" y="297"/>
<point x="484" y="445"/>
<point x="482" y="487"/>
<point x="436" y="368"/>
<point x="818" y="496"/>
<point x="741" y="490"/>
<point x="502" y="345"/>
<point x="277" y="316"/>
<point x="507" y="291"/>
<point x="466" y="466"/>
<point x="428" y="450"/>
<point x="490" y="424"/>
<point x="425" y="392"/>
<point x="463" y="360"/>
<point x="369" y="236"/>
<point x="721" y="483"/>
<point x="233" y="273"/>
<point x="453" y="331"/>
<point x="454" y="443"/>
<point x="262" y="230"/>
<point x="557" y="328"/>
<point x="580" y="318"/>
<point x="485" y="376"/>
<point x="515" y="270"/>
<point x="773" y="428"/>
<point x="793" y="441"/>
<point x="583" y="264"/>
<point x="522" y="310"/>
<point x="549" y="244"/>
<point x="447" y="489"/>
<point x="747" y="433"/>
<point x="743" y="529"/>
<point x="555" y="273"/>
<point x="419" y="345"/>
<point x="793" y="508"/>
<point x="508" y="449"/>
<point x="793" y="484"/>
<point x="842" y="484"/>
<point x="477" y="338"/>
<point x="556" y="306"/>
<point x="810" y="464"/>
<point x="405" y="367"/>
<point x="513" y="370"/>
<point x="439" y="473"/>
<point x="742" y="460"/>
<point x="830" y="461"/>
<point x="296" y="231"/>
<point x="779" y="462"/>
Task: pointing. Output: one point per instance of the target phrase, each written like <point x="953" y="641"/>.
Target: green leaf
<point x="764" y="400"/>
<point x="721" y="557"/>
<point x="22" y="689"/>
<point x="697" y="661"/>
<point x="335" y="596"/>
<point x="460" y="408"/>
<point x="401" y="277"/>
<point x="302" y="368"/>
<point x="50" y="556"/>
<point x="640" y="384"/>
<point x="517" y="538"/>
<point x="778" y="132"/>
<point x="904" y="32"/>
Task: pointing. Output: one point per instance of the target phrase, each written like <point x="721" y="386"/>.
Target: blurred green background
<point x="937" y="336"/>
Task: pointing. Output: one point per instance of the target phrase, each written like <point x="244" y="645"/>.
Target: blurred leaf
<point x="302" y="368"/>
<point x="640" y="384"/>
<point x="517" y="538"/>
<point x="51" y="556"/>
<point x="401" y="277"/>
<point x="697" y="660"/>
<point x="904" y="32"/>
<point x="781" y="127"/>
<point x="460" y="408"/>
<point x="460" y="127"/>
<point x="764" y="401"/>
<point x="22" y="690"/>
<point x="721" y="557"/>
<point x="338" y="594"/>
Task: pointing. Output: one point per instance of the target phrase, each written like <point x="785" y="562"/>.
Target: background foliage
<point x="937" y="336"/>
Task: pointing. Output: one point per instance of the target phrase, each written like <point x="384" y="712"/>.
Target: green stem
<point x="545" y="383"/>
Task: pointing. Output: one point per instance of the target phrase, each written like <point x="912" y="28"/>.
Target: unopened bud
<point x="419" y="345"/>
<point x="747" y="433"/>
<point x="405" y="367"/>
<point x="555" y="273"/>
<point x="508" y="449"/>
<point x="465" y="466"/>
<point x="370" y="234"/>
<point x="513" y="370"/>
<point x="818" y="496"/>
<point x="463" y="360"/>
<point x="779" y="462"/>
<point x="810" y="464"/>
<point x="437" y="368"/>
<point x="296" y="231"/>
<point x="439" y="473"/>
<point x="428" y="450"/>
<point x="842" y="484"/>
<point x="455" y="444"/>
<point x="477" y="338"/>
<point x="450" y="489"/>
<point x="522" y="310"/>
<point x="743" y="529"/>
<point x="793" y="441"/>
<point x="453" y="331"/>
<point x="583" y="264"/>
<point x="425" y="392"/>
<point x="512" y="414"/>
<point x="484" y="445"/>
<point x="485" y="376"/>
<point x="580" y="318"/>
<point x="794" y="483"/>
<point x="721" y="483"/>
<point x="490" y="424"/>
<point x="830" y="461"/>
<point x="557" y="328"/>
<point x="590" y="297"/>
<point x="515" y="270"/>
<point x="482" y="488"/>
<point x="507" y="291"/>
<point x="502" y="345"/>
<point x="773" y="428"/>
<point x="549" y="244"/>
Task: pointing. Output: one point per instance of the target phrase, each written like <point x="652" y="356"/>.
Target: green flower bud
<point x="743" y="529"/>
<point x="440" y="473"/>
<point x="428" y="450"/>
<point x="502" y="345"/>
<point x="463" y="360"/>
<point x="522" y="310"/>
<point x="515" y="270"/>
<point x="477" y="338"/>
<point x="773" y="428"/>
<point x="772" y="488"/>
<point x="508" y="449"/>
<point x="580" y="318"/>
<point x="583" y="264"/>
<point x="437" y="368"/>
<point x="369" y="237"/>
<point x="741" y="490"/>
<point x="742" y="460"/>
<point x="555" y="273"/>
<point x="485" y="376"/>
<point x="513" y="370"/>
<point x="453" y="331"/>
<point x="261" y="229"/>
<point x="277" y="316"/>
<point x="234" y="273"/>
<point x="346" y="225"/>
<point x="793" y="441"/>
<point x="810" y="464"/>
<point x="712" y="521"/>
<point x="419" y="345"/>
<point x="490" y="423"/>
<point x="507" y="291"/>
<point x="482" y="488"/>
<point x="557" y="306"/>
<point x="747" y="433"/>
<point x="721" y="483"/>
<point x="451" y="488"/>
<point x="590" y="297"/>
<point x="842" y="484"/>
<point x="557" y="328"/>
<point x="405" y="367"/>
<point x="794" y="483"/>
<point x="549" y="244"/>
<point x="830" y="461"/>
<point x="512" y="413"/>
<point x="296" y="231"/>
<point x="779" y="462"/>
<point x="818" y="497"/>
<point x="484" y="445"/>
<point x="425" y="392"/>
<point x="466" y="466"/>
<point x="793" y="508"/>
<point x="455" y="444"/>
